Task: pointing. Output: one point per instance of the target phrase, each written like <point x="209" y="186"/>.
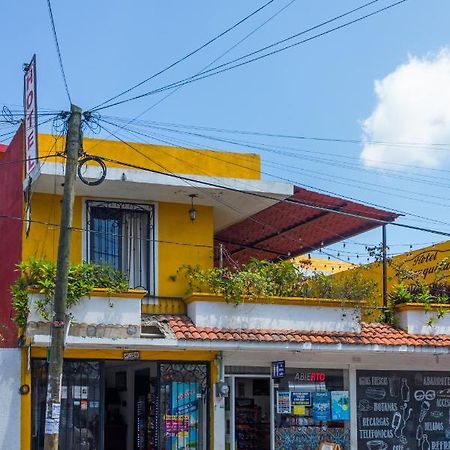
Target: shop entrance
<point x="126" y="405"/>
<point x="249" y="413"/>
<point x="156" y="406"/>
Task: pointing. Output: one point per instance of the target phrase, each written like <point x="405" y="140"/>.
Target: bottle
<point x="404" y="391"/>
<point x="425" y="443"/>
<point x="394" y="385"/>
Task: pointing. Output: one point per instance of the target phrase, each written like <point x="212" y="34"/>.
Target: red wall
<point x="11" y="205"/>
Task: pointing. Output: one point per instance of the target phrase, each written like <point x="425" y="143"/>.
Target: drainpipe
<point x="385" y="293"/>
<point x="221" y="367"/>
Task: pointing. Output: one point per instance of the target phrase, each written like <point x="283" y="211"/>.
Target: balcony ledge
<point x="275" y="313"/>
<point x="273" y="300"/>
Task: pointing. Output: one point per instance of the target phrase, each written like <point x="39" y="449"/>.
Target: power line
<point x="21" y="161"/>
<point x="197" y="151"/>
<point x="268" y="197"/>
<point x="288" y="180"/>
<point x="11" y="133"/>
<point x="253" y="219"/>
<point x="217" y="59"/>
<point x="289" y="136"/>
<point x="130" y="121"/>
<point x="224" y="68"/>
<point x="269" y="148"/>
<point x="82" y="229"/>
<point x="188" y="55"/>
<point x="218" y="200"/>
<point x="58" y="50"/>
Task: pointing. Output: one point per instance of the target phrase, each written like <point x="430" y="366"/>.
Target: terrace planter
<point x="276" y="313"/>
<point x="100" y="307"/>
<point x="417" y="318"/>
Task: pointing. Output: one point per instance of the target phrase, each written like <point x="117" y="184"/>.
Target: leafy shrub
<point x="41" y="276"/>
<point x="259" y="278"/>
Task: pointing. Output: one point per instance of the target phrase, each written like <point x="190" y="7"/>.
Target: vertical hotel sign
<point x="31" y="136"/>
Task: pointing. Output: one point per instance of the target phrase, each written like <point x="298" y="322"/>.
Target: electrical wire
<point x="271" y="149"/>
<point x="292" y="181"/>
<point x="82" y="229"/>
<point x="158" y="102"/>
<point x="197" y="151"/>
<point x="58" y="50"/>
<point x="253" y="219"/>
<point x="223" y="67"/>
<point x="130" y="121"/>
<point x="215" y="198"/>
<point x="268" y="197"/>
<point x="11" y="133"/>
<point x="21" y="161"/>
<point x="287" y="136"/>
<point x="223" y="33"/>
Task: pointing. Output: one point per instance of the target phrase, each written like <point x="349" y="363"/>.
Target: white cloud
<point x="413" y="106"/>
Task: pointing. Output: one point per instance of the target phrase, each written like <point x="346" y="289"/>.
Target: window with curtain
<point x="121" y="235"/>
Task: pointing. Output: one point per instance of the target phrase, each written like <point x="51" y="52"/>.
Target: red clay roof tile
<point x="370" y="334"/>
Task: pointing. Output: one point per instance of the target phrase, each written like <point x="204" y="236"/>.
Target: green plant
<point x="259" y="278"/>
<point x="412" y="289"/>
<point x="40" y="275"/>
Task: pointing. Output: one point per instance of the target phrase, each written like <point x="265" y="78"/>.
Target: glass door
<point x="249" y="413"/>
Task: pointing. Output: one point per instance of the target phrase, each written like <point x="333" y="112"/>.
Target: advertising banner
<point x="321" y="406"/>
<point x="181" y="426"/>
<point x="403" y="409"/>
<point x="340" y="405"/>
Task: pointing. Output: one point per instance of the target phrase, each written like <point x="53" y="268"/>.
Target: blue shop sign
<point x="278" y="369"/>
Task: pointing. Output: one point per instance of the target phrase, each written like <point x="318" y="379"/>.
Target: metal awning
<point x="299" y="224"/>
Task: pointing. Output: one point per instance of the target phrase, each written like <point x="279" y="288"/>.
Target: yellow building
<point x="428" y="265"/>
<point x="138" y="220"/>
<point x="153" y="369"/>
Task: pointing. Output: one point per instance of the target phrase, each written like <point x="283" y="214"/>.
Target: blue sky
<point x="324" y="88"/>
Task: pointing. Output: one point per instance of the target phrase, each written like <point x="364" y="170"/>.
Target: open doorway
<point x="130" y="405"/>
<point x="248" y="413"/>
<point x="156" y="405"/>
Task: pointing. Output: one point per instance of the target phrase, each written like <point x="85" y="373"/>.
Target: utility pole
<point x="384" y="261"/>
<point x="56" y="350"/>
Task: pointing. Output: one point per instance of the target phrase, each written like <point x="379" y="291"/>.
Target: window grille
<point x="121" y="235"/>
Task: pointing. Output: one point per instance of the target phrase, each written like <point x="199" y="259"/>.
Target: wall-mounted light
<point x="192" y="211"/>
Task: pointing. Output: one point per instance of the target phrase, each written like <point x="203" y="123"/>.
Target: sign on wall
<point x="30" y="119"/>
<point x="278" y="369"/>
<point x="403" y="409"/>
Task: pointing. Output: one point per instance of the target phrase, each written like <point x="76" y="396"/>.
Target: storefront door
<point x="81" y="405"/>
<point x="249" y="413"/>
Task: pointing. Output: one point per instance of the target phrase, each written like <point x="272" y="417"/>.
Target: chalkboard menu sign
<point x="403" y="410"/>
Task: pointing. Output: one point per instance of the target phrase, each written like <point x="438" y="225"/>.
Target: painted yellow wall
<point x="175" y="229"/>
<point x="423" y="261"/>
<point x="42" y="241"/>
<point x="180" y="241"/>
<point x="164" y="158"/>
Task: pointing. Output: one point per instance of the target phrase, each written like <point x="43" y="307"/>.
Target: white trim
<point x="43" y="340"/>
<point x="353" y="406"/>
<point x="132" y="176"/>
<point x="308" y="346"/>
<point x="254" y="346"/>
